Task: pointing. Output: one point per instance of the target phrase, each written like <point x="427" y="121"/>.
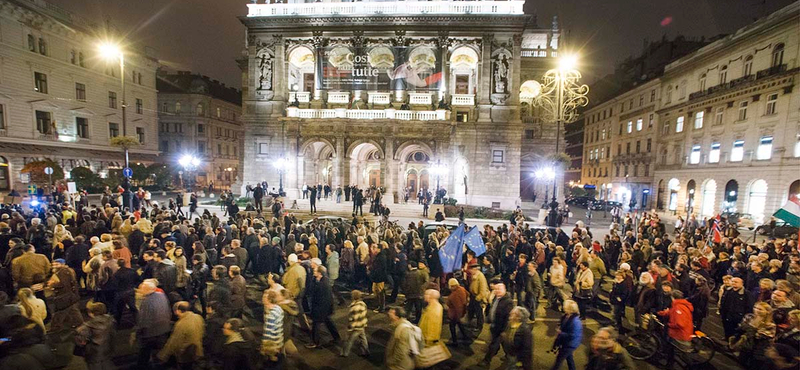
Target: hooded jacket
<point x="680" y="326"/>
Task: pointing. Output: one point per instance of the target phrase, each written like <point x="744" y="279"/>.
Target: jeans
<point x="457" y="323"/>
<point x="360" y="336"/>
<point x="532" y="304"/>
<point x="494" y="346"/>
<point x="414" y="307"/>
<point x="328" y="324"/>
<point x="313" y="207"/>
<point x="338" y="198"/>
<point x="397" y="280"/>
<point x="564" y="354"/>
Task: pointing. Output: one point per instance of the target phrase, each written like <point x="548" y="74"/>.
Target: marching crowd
<point x="187" y="288"/>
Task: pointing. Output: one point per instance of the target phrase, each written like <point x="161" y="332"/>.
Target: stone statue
<point x="265" y="68"/>
<point x="500" y="74"/>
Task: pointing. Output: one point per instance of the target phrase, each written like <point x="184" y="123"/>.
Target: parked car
<point x="582" y="201"/>
<point x="782" y="229"/>
<point x="431" y="227"/>
<point x="742" y="220"/>
<point x="607" y="205"/>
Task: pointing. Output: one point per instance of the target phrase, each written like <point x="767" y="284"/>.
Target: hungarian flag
<point x="717" y="231"/>
<point x="790" y="212"/>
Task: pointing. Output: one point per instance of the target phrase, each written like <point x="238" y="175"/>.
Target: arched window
<point x="177" y="107"/>
<point x="777" y="55"/>
<point x="723" y="75"/>
<point x="702" y="82"/>
<point x="757" y="198"/>
<point x="199" y="109"/>
<point x="747" y="67"/>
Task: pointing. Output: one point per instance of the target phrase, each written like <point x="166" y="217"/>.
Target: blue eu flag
<point x="475" y="242"/>
<point x="450" y="253"/>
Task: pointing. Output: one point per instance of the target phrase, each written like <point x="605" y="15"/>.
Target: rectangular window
<point x="719" y="115"/>
<point x="713" y="155"/>
<point x="219" y="113"/>
<point x="529" y="134"/>
<point x="2" y="116"/>
<point x="201" y="128"/>
<point x="694" y="157"/>
<point x="652" y="95"/>
<point x="112" y="100"/>
<point x="40" y="82"/>
<point x="641" y="100"/>
<point x="630" y="126"/>
<point x="620" y="129"/>
<point x="201" y="147"/>
<point x="44" y="122"/>
<point x="651" y="120"/>
<point x="665" y="128"/>
<point x="31" y="43"/>
<point x="163" y="146"/>
<point x="82" y="127"/>
<point x="772" y="102"/>
<point x="219" y="149"/>
<point x="619" y="149"/>
<point x="139" y="107"/>
<point x="628" y="148"/>
<point x="604" y="134"/>
<point x="113" y="129"/>
<point x="140" y="134"/>
<point x="497" y="156"/>
<point x="649" y="145"/>
<point x="80" y="91"/>
<point x="698" y="120"/>
<point x="42" y="46"/>
<point x="742" y="110"/>
<point x="737" y="153"/>
<point x="679" y="124"/>
<point x="638" y="146"/>
<point x="764" y="148"/>
<point x="639" y="124"/>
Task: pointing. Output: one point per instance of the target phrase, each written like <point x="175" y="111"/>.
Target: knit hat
<point x="60" y="260"/>
<point x="292" y="258"/>
<point x="624" y="266"/>
<point x="276" y="240"/>
<point x="316" y="261"/>
<point x="452" y="282"/>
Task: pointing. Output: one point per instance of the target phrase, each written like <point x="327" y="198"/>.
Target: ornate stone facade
<point x="439" y="88"/>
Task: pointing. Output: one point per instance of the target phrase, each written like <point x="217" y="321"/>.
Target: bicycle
<point x="646" y="342"/>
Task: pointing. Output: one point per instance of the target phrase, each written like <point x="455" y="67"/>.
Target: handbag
<point x="432" y="355"/>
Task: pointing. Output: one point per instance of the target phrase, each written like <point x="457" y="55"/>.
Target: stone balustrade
<point x="385" y="8"/>
<point x="299" y="96"/>
<point x="405" y="115"/>
<point x="415" y="98"/>
<point x="338" y="97"/>
<point x="463" y="99"/>
<point x="375" y="97"/>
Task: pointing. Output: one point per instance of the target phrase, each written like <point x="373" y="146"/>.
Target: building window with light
<point x="498" y="156"/>
<point x="80" y="91"/>
<point x="679" y="124"/>
<point x="140" y="134"/>
<point x="764" y="151"/>
<point x="113" y="129"/>
<point x="40" y="82"/>
<point x="177" y="107"/>
<point x="630" y="126"/>
<point x="665" y="128"/>
<point x="639" y="124"/>
<point x="713" y="155"/>
<point x="742" y="110"/>
<point x="719" y="115"/>
<point x="694" y="157"/>
<point x="44" y="122"/>
<point x="772" y="102"/>
<point x="603" y="134"/>
<point x="698" y="120"/>
<point x="737" y="153"/>
<point x="650" y="121"/>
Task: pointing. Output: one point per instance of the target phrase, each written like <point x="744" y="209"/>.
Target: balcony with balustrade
<point x="740" y="82"/>
<point x="327" y="8"/>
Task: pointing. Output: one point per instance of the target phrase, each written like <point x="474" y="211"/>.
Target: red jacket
<point x="681" y="326"/>
<point x="457" y="303"/>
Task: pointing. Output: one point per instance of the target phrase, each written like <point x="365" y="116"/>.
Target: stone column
<point x="485" y="79"/>
<point x="279" y="70"/>
<point x="339" y="162"/>
<point x="444" y="44"/>
<point x="319" y="43"/>
<point x="389" y="165"/>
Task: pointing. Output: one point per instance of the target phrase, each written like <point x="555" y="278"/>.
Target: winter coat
<point x="614" y="358"/>
<point x="167" y="275"/>
<point x="294" y="280"/>
<point x="186" y="340"/>
<point x="238" y="292"/>
<point x="154" y="316"/>
<point x="97" y="337"/>
<point x="571" y="333"/>
<point x="521" y="345"/>
<point x="321" y="300"/>
<point x="431" y="322"/>
<point x="479" y="289"/>
<point x="734" y="305"/>
<point x="379" y="272"/>
<point x="413" y="284"/>
<point x="457" y="304"/>
<point x="502" y="309"/>
<point x="29" y="269"/>
<point x="332" y="263"/>
<point x="680" y="325"/>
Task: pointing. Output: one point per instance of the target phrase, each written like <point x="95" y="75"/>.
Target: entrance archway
<point x="366" y="165"/>
<point x="690" y="189"/>
<point x="709" y="194"/>
<point x="794" y="189"/>
<point x="756" y="197"/>
<point x="674" y="185"/>
<point x="318" y="158"/>
<point x="412" y="183"/>
<point x="731" y="196"/>
<point x="424" y="180"/>
<point x="660" y="195"/>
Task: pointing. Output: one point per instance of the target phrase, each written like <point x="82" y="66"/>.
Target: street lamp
<point x="439" y="170"/>
<point x="190" y="163"/>
<point x="559" y="95"/>
<point x="281" y="165"/>
<point x="111" y="52"/>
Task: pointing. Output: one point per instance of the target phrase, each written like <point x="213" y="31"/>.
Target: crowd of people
<point x="186" y="286"/>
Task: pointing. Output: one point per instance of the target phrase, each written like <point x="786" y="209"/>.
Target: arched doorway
<point x="794" y="189"/>
<point x="674" y="185"/>
<point x="756" y="197"/>
<point x="731" y="196"/>
<point x="365" y="165"/>
<point x="709" y="194"/>
<point x="424" y="180"/>
<point x="660" y="195"/>
<point x="690" y="189"/>
<point x="412" y="183"/>
<point x="5" y="184"/>
<point x="318" y="158"/>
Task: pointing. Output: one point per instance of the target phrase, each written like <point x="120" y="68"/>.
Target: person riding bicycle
<point x="680" y="327"/>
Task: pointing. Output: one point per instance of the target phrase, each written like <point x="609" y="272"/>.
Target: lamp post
<point x="111" y="51"/>
<point x="281" y="164"/>
<point x="190" y="163"/>
<point x="438" y="169"/>
<point x="560" y="94"/>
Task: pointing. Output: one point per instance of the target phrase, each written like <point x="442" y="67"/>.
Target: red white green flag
<point x="790" y="212"/>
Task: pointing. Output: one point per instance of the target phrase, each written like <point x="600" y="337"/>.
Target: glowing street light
<point x="439" y="170"/>
<point x="190" y="163"/>
<point x="282" y="164"/>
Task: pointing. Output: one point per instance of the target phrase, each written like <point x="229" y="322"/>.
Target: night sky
<point x="205" y="36"/>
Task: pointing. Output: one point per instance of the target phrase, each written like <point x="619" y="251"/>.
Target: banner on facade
<point x="381" y="68"/>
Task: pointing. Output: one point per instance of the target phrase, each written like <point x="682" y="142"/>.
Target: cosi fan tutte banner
<point x="380" y="68"/>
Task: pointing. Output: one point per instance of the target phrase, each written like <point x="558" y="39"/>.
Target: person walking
<point x="606" y="353"/>
<point x="357" y="325"/>
<point x="584" y="281"/>
<point x="533" y="289"/>
<point x="321" y="307"/>
<point x="570" y="334"/>
<point x="312" y="199"/>
<point x="431" y="321"/>
<point x="95" y="336"/>
<point x="479" y="296"/>
<point x="65" y="297"/>
<point x="456" y="310"/>
<point x="518" y="337"/>
<point x="404" y="343"/>
<point x="499" y="311"/>
<point x="185" y="343"/>
<point x="153" y="324"/>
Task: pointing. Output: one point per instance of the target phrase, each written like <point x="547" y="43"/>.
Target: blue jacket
<point x="571" y="333"/>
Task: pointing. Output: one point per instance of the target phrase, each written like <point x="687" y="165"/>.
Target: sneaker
<point x="312" y="346"/>
<point x="377" y="310"/>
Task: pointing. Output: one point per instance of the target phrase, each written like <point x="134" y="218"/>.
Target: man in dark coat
<point x="135" y="240"/>
<point x="734" y="305"/>
<point x="258" y="195"/>
<point x="321" y="307"/>
<point x="165" y="273"/>
<point x="65" y="297"/>
<point x="497" y="314"/>
<point x="313" y="198"/>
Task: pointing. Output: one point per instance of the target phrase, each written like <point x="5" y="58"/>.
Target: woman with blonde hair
<point x="60" y="234"/>
<point x="756" y="334"/>
<point x="31" y="307"/>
